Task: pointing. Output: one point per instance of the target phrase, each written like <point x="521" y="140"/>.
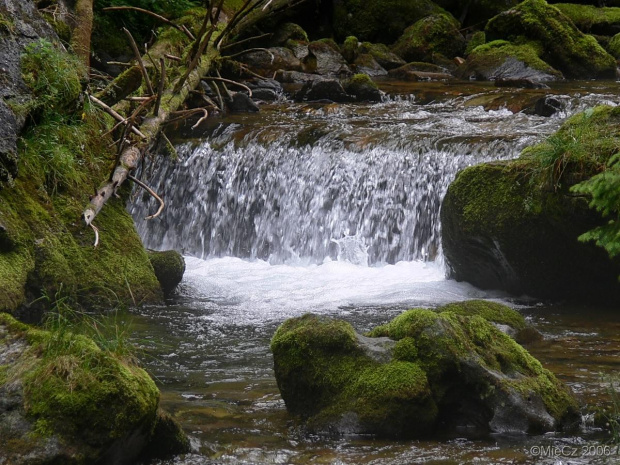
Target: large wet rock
<point x="435" y="34"/>
<point x="559" y="42"/>
<point x="325" y="59"/>
<point x="268" y="61"/>
<point x="363" y="88"/>
<point x="330" y="90"/>
<point x="424" y="372"/>
<point x="515" y="225"/>
<point x="64" y="400"/>
<point x="20" y="25"/>
<point x="501" y="60"/>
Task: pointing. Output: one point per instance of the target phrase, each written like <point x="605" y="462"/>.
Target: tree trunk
<point x="80" y="38"/>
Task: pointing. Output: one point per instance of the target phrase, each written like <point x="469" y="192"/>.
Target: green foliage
<point x="604" y="189"/>
<point x="53" y="75"/>
<point x="584" y="144"/>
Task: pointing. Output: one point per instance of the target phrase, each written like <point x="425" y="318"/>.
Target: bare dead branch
<point x="162" y="82"/>
<point x="136" y="53"/>
<point x="250" y="50"/>
<point x="249" y="39"/>
<point x="153" y="194"/>
<point x="206" y="115"/>
<point x="115" y="115"/>
<point x="229" y="81"/>
<point x="172" y="57"/>
<point x="96" y="235"/>
<point x="183" y="29"/>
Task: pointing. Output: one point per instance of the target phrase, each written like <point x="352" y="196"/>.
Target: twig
<point x="250" y="50"/>
<point x="160" y="90"/>
<point x="115" y="115"/>
<point x="150" y="191"/>
<point x="137" y="99"/>
<point x="221" y="79"/>
<point x="252" y="73"/>
<point x="185" y="114"/>
<point x="170" y="146"/>
<point x="249" y="39"/>
<point x="136" y="52"/>
<point x="96" y="235"/>
<point x="206" y="115"/>
<point x="171" y="57"/>
<point x="219" y="95"/>
<point x="233" y="21"/>
<point x="187" y="32"/>
<point x="119" y="63"/>
<point x="154" y="15"/>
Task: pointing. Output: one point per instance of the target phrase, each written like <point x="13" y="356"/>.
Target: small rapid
<point x="334" y="209"/>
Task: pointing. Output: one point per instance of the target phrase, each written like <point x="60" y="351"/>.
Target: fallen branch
<point x="206" y="115"/>
<point x="136" y="52"/>
<point x="249" y="39"/>
<point x="116" y="116"/>
<point x="128" y="162"/>
<point x="229" y="81"/>
<point x="152" y="192"/>
<point x="183" y="29"/>
<point x="160" y="89"/>
<point x="96" y="235"/>
<point x="250" y="50"/>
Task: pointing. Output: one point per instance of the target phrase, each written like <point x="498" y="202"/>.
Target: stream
<point x="334" y="209"/>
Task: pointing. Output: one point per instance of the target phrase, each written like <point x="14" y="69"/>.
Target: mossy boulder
<point x="64" y="400"/>
<point x="423" y="372"/>
<point x="614" y="46"/>
<point x="476" y="13"/>
<point x="350" y="49"/>
<point x="476" y="39"/>
<point x="366" y="64"/>
<point x="604" y="21"/>
<point x="363" y="88"/>
<point x="378" y="20"/>
<point x="435" y="34"/>
<point x="515" y="225"/>
<point x="324" y="58"/>
<point x="561" y="44"/>
<point x="286" y="32"/>
<point x="382" y="55"/>
<point x="169" y="266"/>
<point x="503" y="60"/>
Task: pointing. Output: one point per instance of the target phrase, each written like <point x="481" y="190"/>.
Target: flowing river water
<point x="334" y="209"/>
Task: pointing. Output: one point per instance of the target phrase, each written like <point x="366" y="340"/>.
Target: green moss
<point x="368" y="20"/>
<point x="350" y="49"/>
<point x="127" y="82"/>
<point x="592" y="19"/>
<point x="359" y="84"/>
<point x="289" y="31"/>
<point x="562" y="45"/>
<point x="485" y="58"/>
<point x="6" y="24"/>
<point x="169" y="267"/>
<point x="54" y="77"/>
<point x="614" y="46"/>
<point x="478" y="38"/>
<point x="331" y="43"/>
<point x="490" y="311"/>
<point x="78" y="393"/>
<point x="435" y="34"/>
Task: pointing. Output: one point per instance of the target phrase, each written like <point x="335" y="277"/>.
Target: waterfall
<point x="291" y="190"/>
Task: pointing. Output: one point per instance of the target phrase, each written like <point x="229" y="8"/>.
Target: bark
<point x="80" y="38"/>
<point x="128" y="162"/>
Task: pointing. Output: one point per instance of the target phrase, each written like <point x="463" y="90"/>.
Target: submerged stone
<point x="423" y="372"/>
<point x="169" y="266"/>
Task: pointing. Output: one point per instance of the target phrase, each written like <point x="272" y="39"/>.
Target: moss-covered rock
<point x="476" y="39"/>
<point x="363" y="88"/>
<point x="169" y="267"/>
<point x="366" y="64"/>
<point x="450" y="368"/>
<point x="382" y="55"/>
<point x="503" y="60"/>
<point x="288" y="31"/>
<point x="167" y="439"/>
<point x="324" y="58"/>
<point x="561" y="44"/>
<point x="614" y="46"/>
<point x="476" y="13"/>
<point x="435" y="34"/>
<point x="514" y="225"/>
<point x="64" y="400"/>
<point x="350" y="49"/>
<point x="378" y="20"/>
<point x="592" y="19"/>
